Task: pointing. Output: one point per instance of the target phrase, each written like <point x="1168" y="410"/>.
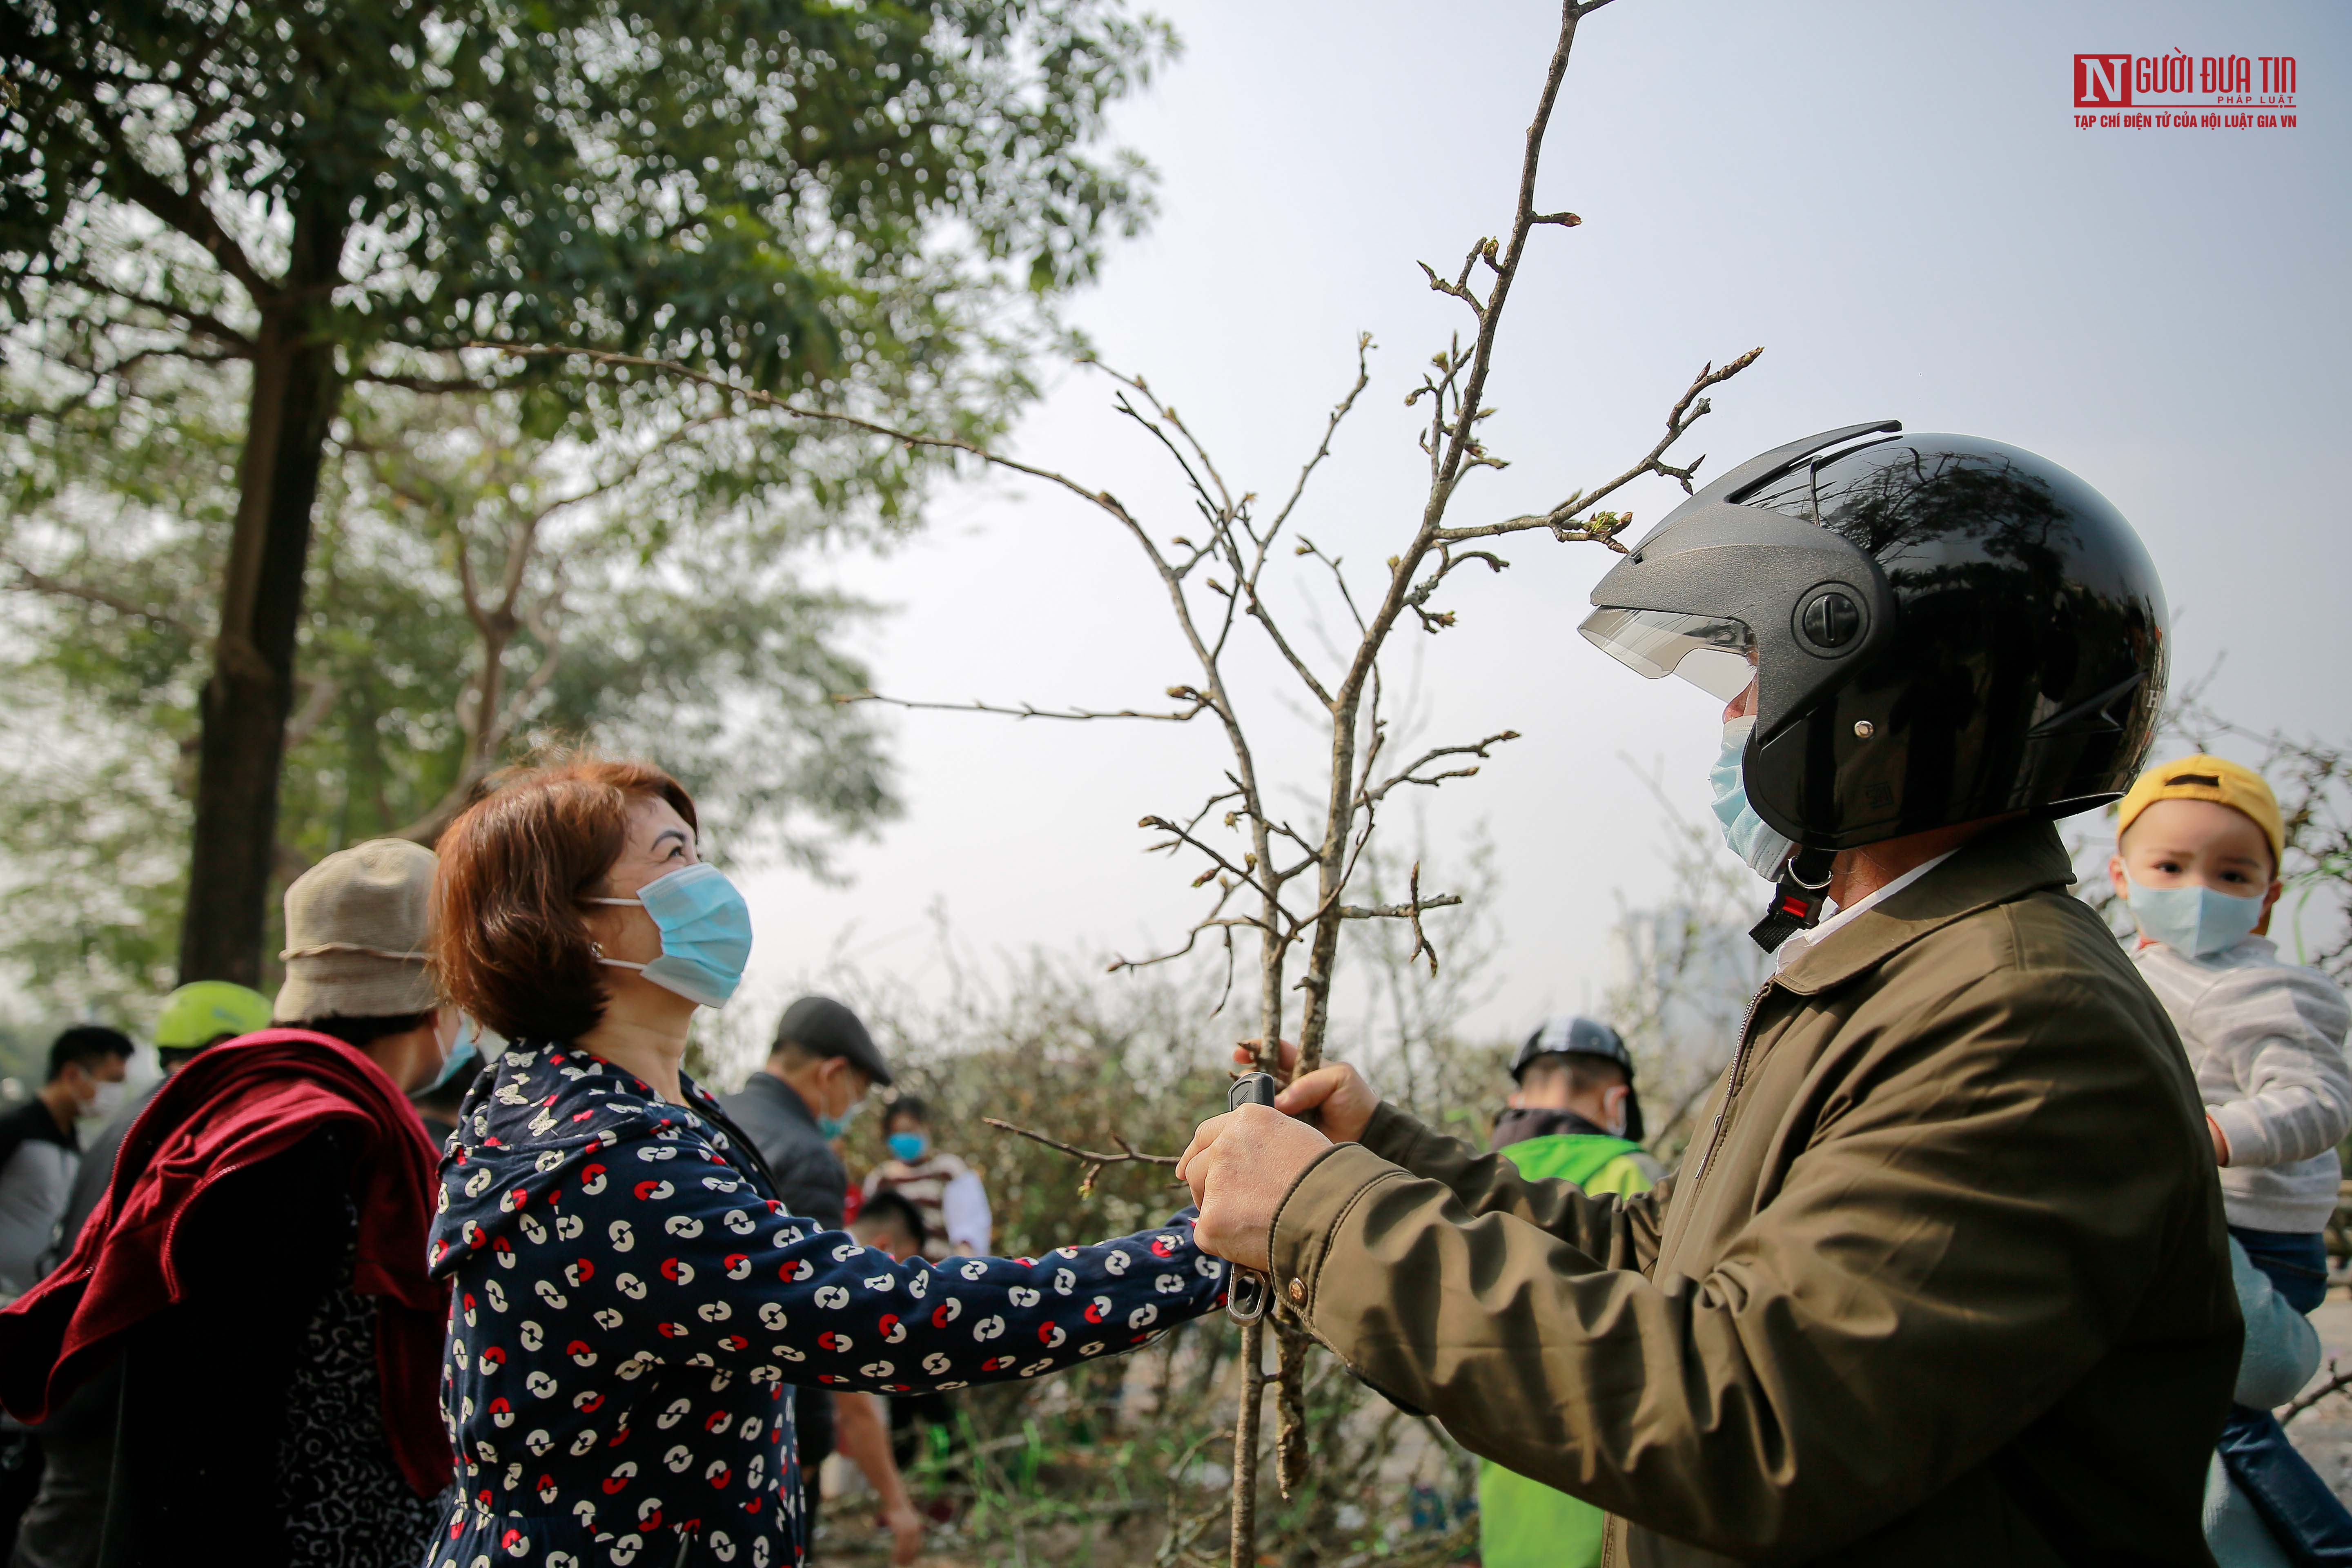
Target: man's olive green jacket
<point x="1942" y="1277"/>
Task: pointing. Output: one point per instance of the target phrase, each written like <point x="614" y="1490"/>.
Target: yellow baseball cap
<point x="202" y="1011"/>
<point x="2217" y="779"/>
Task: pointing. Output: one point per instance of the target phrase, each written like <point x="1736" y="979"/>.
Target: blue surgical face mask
<point x="2192" y="919"/>
<point x="464" y="1056"/>
<point x="908" y="1147"/>
<point x="832" y="1127"/>
<point x="1750" y="837"/>
<point x="706" y="934"/>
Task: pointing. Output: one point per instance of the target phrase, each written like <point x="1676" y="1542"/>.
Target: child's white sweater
<point x="2267" y="1041"/>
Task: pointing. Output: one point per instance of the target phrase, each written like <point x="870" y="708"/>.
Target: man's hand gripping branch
<point x="1240" y="1165"/>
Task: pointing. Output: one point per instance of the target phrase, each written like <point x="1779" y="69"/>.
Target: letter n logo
<point x="2102" y="81"/>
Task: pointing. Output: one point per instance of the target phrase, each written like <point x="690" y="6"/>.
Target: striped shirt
<point x="2266" y="1041"/>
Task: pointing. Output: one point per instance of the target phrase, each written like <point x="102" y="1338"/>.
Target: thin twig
<point x="719" y="384"/>
<point x="1027" y="711"/>
<point x="1413" y="774"/>
<point x="31" y="582"/>
<point x="1094" y="1160"/>
<point x="1605" y="527"/>
<point x="2337" y="1381"/>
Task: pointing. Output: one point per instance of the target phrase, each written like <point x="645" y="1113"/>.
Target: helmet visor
<point x="1716" y="655"/>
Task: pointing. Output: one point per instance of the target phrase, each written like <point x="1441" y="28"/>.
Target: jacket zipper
<point x="1731" y="1090"/>
<point x="1714" y="1138"/>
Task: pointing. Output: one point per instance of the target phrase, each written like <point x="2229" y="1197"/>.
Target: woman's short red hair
<point x="509" y="924"/>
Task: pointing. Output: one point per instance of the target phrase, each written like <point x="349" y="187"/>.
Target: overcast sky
<point x="1892" y="200"/>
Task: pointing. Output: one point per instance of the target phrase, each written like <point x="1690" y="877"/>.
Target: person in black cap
<point x="818" y="1072"/>
<point x="823" y="1065"/>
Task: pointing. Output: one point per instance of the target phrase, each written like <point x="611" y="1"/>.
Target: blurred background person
<point x="952" y="1203"/>
<point x="194" y="1016"/>
<point x="795" y="1111"/>
<point x="436" y="1103"/>
<point x="60" y="1529"/>
<point x="40" y="1154"/>
<point x="1574" y="1116"/>
<point x="41" y="1146"/>
<point x="257" y="1262"/>
<point x="945" y="1191"/>
<point x="889" y="1222"/>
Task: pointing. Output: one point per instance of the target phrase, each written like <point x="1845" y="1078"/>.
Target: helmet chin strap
<point x="1797" y="897"/>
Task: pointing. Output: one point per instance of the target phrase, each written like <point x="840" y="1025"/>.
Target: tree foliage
<point x="847" y="202"/>
<point x="795" y="188"/>
<point x="650" y="611"/>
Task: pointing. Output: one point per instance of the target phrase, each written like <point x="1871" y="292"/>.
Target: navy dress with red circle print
<point x="632" y="1309"/>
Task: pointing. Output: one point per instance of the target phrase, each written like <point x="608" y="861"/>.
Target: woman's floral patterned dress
<point x="632" y="1310"/>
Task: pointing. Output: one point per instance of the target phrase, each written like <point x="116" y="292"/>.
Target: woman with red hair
<point x="633" y="1306"/>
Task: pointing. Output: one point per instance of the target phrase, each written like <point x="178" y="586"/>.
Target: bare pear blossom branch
<point x="1411" y="773"/>
<point x="1605" y="526"/>
<point x="1094" y="1160"/>
<point x="1198" y="704"/>
<point x="1212" y="572"/>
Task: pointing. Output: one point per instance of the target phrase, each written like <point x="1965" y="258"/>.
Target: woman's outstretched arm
<point x="662" y="1225"/>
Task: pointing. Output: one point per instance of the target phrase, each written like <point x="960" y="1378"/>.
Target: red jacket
<point x="238" y="1104"/>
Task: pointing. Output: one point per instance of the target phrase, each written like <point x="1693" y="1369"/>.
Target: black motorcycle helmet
<point x="1942" y="628"/>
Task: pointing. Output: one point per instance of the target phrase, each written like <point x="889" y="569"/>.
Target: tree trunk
<point x="251" y="691"/>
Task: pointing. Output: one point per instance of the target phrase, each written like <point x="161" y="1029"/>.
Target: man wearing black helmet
<point x="1574" y="1117"/>
<point x="1941" y="1279"/>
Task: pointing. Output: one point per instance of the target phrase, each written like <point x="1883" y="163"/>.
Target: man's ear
<point x="1517" y="1099"/>
<point x="2270" y="902"/>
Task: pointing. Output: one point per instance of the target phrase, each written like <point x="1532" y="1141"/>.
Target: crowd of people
<point x="596" y="1212"/>
<point x="1996" y="1244"/>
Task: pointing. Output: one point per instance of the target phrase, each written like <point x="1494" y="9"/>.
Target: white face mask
<point x="109" y="1099"/>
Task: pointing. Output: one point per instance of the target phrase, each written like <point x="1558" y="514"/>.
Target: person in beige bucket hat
<point x="258" y="1265"/>
<point x="356" y="965"/>
<point x="355" y="933"/>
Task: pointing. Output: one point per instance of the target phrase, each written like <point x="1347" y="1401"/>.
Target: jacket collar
<point x="1518" y="1125"/>
<point x="787" y="1099"/>
<point x="1999" y="865"/>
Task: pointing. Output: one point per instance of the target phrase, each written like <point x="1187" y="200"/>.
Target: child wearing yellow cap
<point x="2198" y="846"/>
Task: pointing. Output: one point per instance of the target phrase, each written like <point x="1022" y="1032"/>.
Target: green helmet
<point x="196" y="1015"/>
